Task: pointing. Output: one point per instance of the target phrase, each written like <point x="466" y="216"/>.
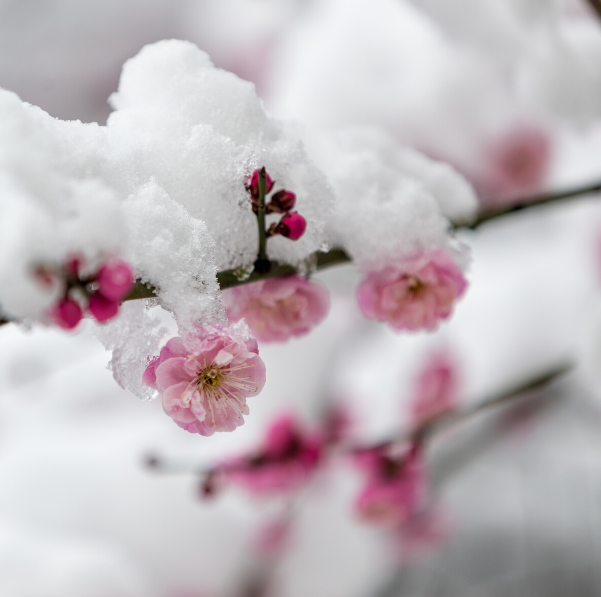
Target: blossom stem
<point x="262" y="252"/>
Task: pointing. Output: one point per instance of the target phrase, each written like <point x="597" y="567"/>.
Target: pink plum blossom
<point x="115" y="280"/>
<point x="204" y="388"/>
<point x="286" y="459"/>
<point x="395" y="488"/>
<point x="67" y="314"/>
<point x="279" y="308"/>
<point x="415" y="295"/>
<point x="516" y="164"/>
<point x="436" y="388"/>
<point x="292" y="226"/>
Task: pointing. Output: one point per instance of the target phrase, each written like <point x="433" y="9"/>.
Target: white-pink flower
<point x="204" y="389"/>
<point x="279" y="308"/>
<point x="414" y="295"/>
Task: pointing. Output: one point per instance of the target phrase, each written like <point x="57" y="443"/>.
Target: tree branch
<point x="337" y="256"/>
<point x="596" y="6"/>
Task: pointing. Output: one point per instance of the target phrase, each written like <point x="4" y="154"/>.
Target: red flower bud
<point x="282" y="201"/>
<point x="292" y="226"/>
<point x="67" y="314"/>
<point x="254" y="184"/>
<point x="101" y="308"/>
<point x="115" y="280"/>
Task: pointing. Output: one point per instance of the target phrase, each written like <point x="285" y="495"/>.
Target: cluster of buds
<point x="292" y="225"/>
<point x="98" y="294"/>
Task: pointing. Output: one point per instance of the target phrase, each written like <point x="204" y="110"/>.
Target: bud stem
<point x="262" y="253"/>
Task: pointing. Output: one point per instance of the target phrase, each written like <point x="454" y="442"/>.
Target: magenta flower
<point x="279" y="308"/>
<point x="115" y="280"/>
<point x="292" y="226"/>
<point x="417" y="295"/>
<point x="101" y="308"/>
<point x="395" y="488"/>
<point x="436" y="388"/>
<point x="286" y="460"/>
<point x="204" y="389"/>
<point x="67" y="314"/>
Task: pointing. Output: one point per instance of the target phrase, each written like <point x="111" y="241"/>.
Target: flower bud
<point x="282" y="201"/>
<point x="102" y="308"/>
<point x="254" y="184"/>
<point x="115" y="280"/>
<point x="67" y="314"/>
<point x="292" y="226"/>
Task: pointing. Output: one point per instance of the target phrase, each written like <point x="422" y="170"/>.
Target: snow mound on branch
<point x="391" y="200"/>
<point x="163" y="187"/>
<point x="199" y="132"/>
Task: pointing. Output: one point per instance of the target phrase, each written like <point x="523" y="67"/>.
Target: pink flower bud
<point x="67" y="314"/>
<point x="254" y="184"/>
<point x="282" y="201"/>
<point x="72" y="266"/>
<point x="115" y="280"/>
<point x="102" y="308"/>
<point x="292" y="226"/>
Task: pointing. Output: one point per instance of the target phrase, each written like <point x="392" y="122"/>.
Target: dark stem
<point x="262" y="252"/>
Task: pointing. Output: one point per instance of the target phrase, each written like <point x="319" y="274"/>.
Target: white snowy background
<point x="80" y="514"/>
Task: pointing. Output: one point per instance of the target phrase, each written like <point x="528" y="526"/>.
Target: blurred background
<point x="509" y="93"/>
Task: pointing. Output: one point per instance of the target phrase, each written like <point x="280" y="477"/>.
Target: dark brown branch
<point x="230" y="278"/>
<point x="596" y="6"/>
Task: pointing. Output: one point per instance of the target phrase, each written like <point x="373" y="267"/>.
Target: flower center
<point x="210" y="377"/>
<point x="414" y="284"/>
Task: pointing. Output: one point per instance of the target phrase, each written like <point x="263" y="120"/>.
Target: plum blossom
<point x="395" y="488"/>
<point x="67" y="314"/>
<point x="292" y="226"/>
<point x="516" y="163"/>
<point x="204" y="388"/>
<point x="279" y="308"/>
<point x="436" y="388"/>
<point x="287" y="458"/>
<point x="415" y="295"/>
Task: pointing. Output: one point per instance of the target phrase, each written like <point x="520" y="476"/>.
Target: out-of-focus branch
<point x="429" y="428"/>
<point x="596" y="5"/>
<point x="420" y="433"/>
<point x="526" y="203"/>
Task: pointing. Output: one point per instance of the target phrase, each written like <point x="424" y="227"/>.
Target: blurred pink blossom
<point x="286" y="459"/>
<point x="279" y="308"/>
<point x="395" y="488"/>
<point x="436" y="388"/>
<point x="415" y="295"/>
<point x="204" y="389"/>
<point x="101" y="308"/>
<point x="115" y="280"/>
<point x="67" y="314"/>
<point x="516" y="164"/>
<point x="423" y="533"/>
